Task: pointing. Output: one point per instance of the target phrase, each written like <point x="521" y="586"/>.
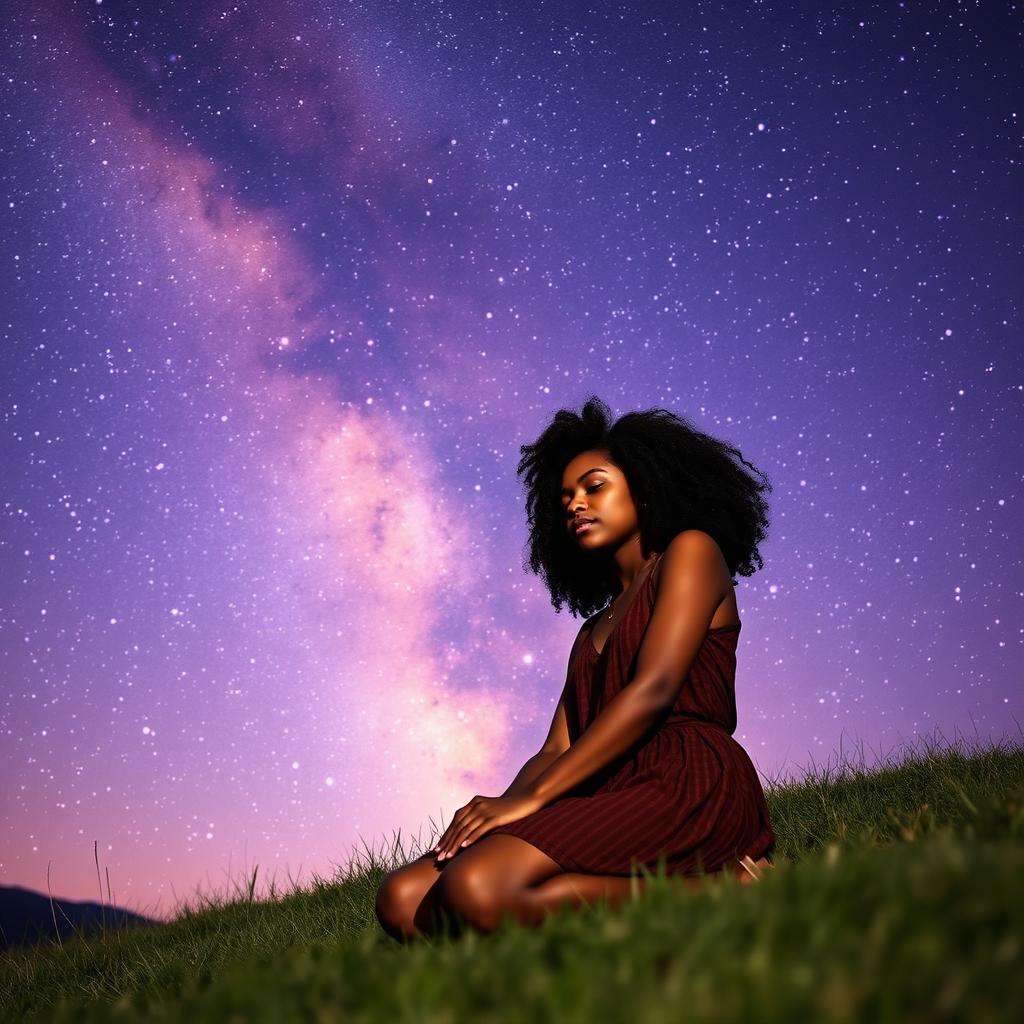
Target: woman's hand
<point x="479" y="816"/>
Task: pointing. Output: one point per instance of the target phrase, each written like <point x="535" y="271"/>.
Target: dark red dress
<point x="688" y="791"/>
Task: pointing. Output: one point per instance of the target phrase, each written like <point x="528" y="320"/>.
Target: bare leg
<point x="504" y="875"/>
<point x="482" y="884"/>
<point x="575" y="889"/>
<point x="401" y="894"/>
<point x="581" y="889"/>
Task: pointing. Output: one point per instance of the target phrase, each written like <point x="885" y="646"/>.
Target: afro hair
<point x="680" y="478"/>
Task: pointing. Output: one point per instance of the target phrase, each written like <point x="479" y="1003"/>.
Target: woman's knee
<point x="388" y="902"/>
<point x="470" y="895"/>
<point x="483" y="883"/>
<point x="398" y="896"/>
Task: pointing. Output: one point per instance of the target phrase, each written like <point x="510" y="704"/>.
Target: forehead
<point x="581" y="466"/>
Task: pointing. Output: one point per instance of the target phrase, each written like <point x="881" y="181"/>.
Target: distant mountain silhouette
<point x="26" y="917"/>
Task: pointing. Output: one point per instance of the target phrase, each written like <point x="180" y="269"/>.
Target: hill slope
<point x="898" y="895"/>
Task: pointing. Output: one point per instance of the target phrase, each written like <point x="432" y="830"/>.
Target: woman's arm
<point x="533" y="767"/>
<point x="691" y="588"/>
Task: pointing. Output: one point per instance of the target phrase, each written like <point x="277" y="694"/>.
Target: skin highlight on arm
<point x="531" y="770"/>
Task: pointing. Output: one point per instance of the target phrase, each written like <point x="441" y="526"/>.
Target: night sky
<point x="286" y="285"/>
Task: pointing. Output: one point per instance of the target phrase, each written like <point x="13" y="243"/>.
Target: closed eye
<point x="589" y="490"/>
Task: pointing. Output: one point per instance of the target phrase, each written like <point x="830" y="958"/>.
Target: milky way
<point x="285" y="288"/>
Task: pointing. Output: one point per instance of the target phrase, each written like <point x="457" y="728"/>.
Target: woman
<point x="639" y="766"/>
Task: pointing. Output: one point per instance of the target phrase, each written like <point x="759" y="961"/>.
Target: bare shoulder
<point x="693" y="544"/>
<point x="693" y="558"/>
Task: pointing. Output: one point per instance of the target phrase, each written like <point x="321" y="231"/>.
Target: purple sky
<point x="285" y="287"/>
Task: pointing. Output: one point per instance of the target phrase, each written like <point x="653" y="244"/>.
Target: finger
<point x="449" y="832"/>
<point x="445" y="842"/>
<point x="474" y="835"/>
<point x="445" y="848"/>
<point x="454" y="846"/>
<point x="446" y="834"/>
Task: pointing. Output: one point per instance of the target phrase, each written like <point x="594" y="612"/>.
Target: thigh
<point x="496" y="866"/>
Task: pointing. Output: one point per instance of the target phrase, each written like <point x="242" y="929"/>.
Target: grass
<point x="898" y="896"/>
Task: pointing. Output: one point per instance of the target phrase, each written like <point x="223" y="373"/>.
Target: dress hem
<point x="569" y="864"/>
<point x="549" y="849"/>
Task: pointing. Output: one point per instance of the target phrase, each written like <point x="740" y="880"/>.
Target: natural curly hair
<point x="679" y="477"/>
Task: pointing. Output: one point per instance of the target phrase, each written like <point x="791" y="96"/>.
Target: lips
<point x="581" y="524"/>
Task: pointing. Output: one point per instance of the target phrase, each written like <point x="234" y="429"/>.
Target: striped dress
<point x="688" y="792"/>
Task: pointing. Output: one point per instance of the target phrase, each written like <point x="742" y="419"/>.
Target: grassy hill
<point x="898" y="896"/>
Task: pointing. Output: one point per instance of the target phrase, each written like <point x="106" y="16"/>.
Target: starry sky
<point x="285" y="287"/>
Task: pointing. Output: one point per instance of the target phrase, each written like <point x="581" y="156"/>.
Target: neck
<point x="630" y="562"/>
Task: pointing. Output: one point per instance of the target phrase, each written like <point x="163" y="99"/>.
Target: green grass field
<point x="898" y="896"/>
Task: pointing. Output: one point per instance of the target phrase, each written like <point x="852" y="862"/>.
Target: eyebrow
<point x="596" y="469"/>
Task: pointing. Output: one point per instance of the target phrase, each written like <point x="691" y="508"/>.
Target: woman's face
<point x="595" y="488"/>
